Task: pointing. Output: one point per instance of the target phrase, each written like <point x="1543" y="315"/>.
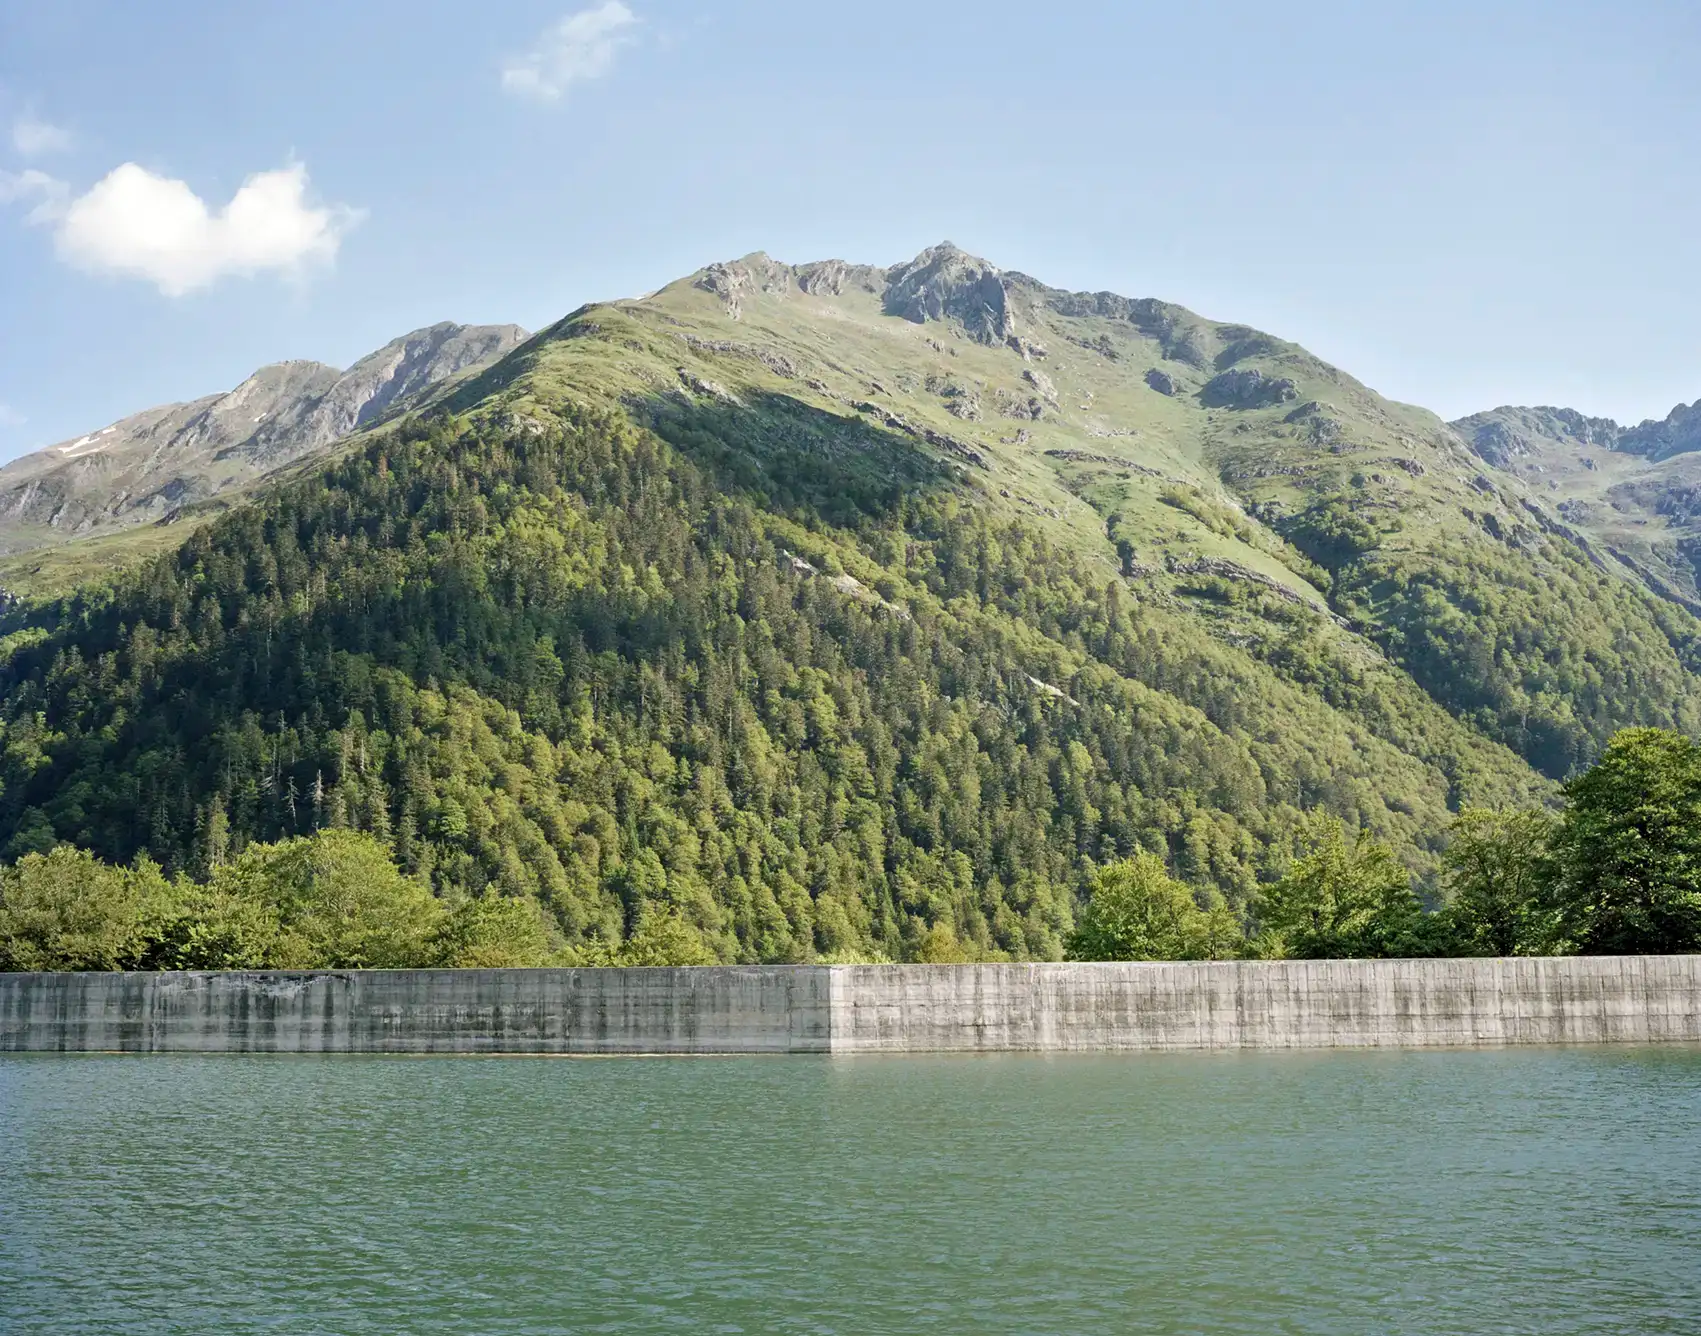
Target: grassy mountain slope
<point x="835" y="605"/>
<point x="1214" y="464"/>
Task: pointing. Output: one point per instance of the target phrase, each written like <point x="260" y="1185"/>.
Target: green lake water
<point x="1531" y="1191"/>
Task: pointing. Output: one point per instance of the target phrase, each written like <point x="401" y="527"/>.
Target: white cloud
<point x="33" y="137"/>
<point x="140" y="225"/>
<point x="49" y="194"/>
<point x="581" y="46"/>
<point x="10" y="417"/>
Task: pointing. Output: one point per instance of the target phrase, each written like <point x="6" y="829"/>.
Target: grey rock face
<point x="1244" y="388"/>
<point x="1502" y="435"/>
<point x="1678" y="434"/>
<point x="1041" y="382"/>
<point x="734" y="280"/>
<point x="944" y="283"/>
<point x="1161" y="381"/>
<point x="834" y="278"/>
<point x="146" y="466"/>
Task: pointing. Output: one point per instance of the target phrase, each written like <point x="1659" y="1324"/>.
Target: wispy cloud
<point x="48" y="195"/>
<point x="581" y="46"/>
<point x="137" y="224"/>
<point x="34" y="138"/>
<point x="10" y="417"/>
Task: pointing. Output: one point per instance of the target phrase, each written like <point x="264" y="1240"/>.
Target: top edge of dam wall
<point x="865" y="1008"/>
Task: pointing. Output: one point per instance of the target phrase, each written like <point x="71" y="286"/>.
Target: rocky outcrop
<point x="1015" y="406"/>
<point x="1041" y="382"/>
<point x="148" y="465"/>
<point x="734" y="280"/>
<point x="1183" y="336"/>
<point x="834" y="278"/>
<point x="946" y="284"/>
<point x="1317" y="421"/>
<point x="1112" y="461"/>
<point x="1224" y="569"/>
<point x="1678" y="433"/>
<point x="1161" y="381"/>
<point x="1502" y="435"/>
<point x="1246" y="388"/>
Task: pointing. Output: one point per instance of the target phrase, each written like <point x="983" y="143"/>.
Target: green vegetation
<point x="333" y="900"/>
<point x="1139" y="912"/>
<point x="1550" y="657"/>
<point x="1628" y="848"/>
<point x="1346" y="896"/>
<point x="1618" y="871"/>
<point x="749" y="623"/>
<point x="564" y="666"/>
<point x="1498" y="880"/>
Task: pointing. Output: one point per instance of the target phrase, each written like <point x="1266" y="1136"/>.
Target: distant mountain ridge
<point x="1503" y="434"/>
<point x="149" y="465"/>
<point x="1634" y="492"/>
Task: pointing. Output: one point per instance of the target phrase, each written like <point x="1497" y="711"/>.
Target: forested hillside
<point x="835" y="607"/>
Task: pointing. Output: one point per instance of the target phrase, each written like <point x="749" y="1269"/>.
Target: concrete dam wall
<point x="864" y="1008"/>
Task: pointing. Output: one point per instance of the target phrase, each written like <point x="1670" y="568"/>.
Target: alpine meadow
<point x="842" y="613"/>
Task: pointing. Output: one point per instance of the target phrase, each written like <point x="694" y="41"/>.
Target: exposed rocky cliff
<point x="148" y="465"/>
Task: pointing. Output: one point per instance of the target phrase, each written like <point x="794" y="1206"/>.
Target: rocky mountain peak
<point x="1678" y="433"/>
<point x="401" y="368"/>
<point x="735" y="280"/>
<point x="148" y="465"/>
<point x="1504" y="434"/>
<point x="947" y="283"/>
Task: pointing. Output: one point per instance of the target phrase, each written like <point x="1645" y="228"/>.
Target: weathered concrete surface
<point x="1267" y="1004"/>
<point x="865" y="1008"/>
<point x="723" y="1010"/>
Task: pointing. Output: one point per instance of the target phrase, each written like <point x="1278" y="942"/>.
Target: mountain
<point x="841" y="608"/>
<point x="153" y="464"/>
<point x="1634" y="493"/>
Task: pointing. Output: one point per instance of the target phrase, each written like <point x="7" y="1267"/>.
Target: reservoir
<point x="1552" y="1190"/>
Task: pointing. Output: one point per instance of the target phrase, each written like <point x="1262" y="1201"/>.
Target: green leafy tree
<point x="1346" y="896"/>
<point x="1627" y="850"/>
<point x="494" y="932"/>
<point x="67" y="910"/>
<point x="1496" y="872"/>
<point x="340" y="902"/>
<point x="939" y="945"/>
<point x="1139" y="912"/>
<point x="661" y="936"/>
<point x="213" y="928"/>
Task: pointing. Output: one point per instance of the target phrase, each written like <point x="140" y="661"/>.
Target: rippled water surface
<point x="1547" y="1191"/>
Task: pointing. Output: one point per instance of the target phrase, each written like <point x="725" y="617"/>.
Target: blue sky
<point x="1462" y="204"/>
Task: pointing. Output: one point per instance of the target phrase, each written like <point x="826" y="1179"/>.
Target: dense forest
<point x="1618" y="870"/>
<point x="598" y="692"/>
